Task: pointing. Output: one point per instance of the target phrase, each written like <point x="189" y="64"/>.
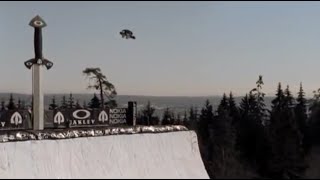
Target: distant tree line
<point x="12" y="105"/>
<point x="249" y="140"/>
<point x="272" y="143"/>
<point x="147" y="117"/>
<point x="70" y="103"/>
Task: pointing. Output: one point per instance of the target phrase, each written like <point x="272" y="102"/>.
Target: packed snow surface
<point x="159" y="155"/>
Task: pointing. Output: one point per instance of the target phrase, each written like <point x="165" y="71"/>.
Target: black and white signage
<point x="89" y="118"/>
<point x="118" y="116"/>
<point x="10" y="119"/>
<point x="68" y="118"/>
<point x="81" y="117"/>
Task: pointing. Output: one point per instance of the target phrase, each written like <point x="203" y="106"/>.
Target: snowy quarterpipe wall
<point x="172" y="154"/>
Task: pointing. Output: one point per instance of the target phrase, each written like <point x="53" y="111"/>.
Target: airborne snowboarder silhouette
<point x="127" y="34"/>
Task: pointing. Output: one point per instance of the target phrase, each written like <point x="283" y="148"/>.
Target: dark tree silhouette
<point x="278" y="102"/>
<point x="23" y="104"/>
<point x="53" y="104"/>
<point x="288" y="100"/>
<point x="78" y="106"/>
<point x="206" y="118"/>
<point x="191" y="122"/>
<point x="314" y="119"/>
<point x="148" y="114"/>
<point x="286" y="160"/>
<point x="71" y="104"/>
<point x="84" y="105"/>
<point x="234" y="110"/>
<point x="167" y="118"/>
<point x="102" y="84"/>
<point x="64" y="104"/>
<point x="302" y="117"/>
<point x="224" y="105"/>
<point x="11" y="105"/>
<point x="19" y="104"/>
<point x="260" y="109"/>
<point x="178" y="120"/>
<point x="95" y="102"/>
<point x="252" y="138"/>
<point x="3" y="107"/>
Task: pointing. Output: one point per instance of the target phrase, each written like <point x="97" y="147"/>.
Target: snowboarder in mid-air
<point x="127" y="34"/>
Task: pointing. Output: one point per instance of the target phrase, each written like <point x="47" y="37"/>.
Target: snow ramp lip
<point x="53" y="134"/>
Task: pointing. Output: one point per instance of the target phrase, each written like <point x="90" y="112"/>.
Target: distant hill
<point x="177" y="103"/>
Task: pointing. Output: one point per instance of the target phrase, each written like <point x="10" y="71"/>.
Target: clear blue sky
<point x="182" y="48"/>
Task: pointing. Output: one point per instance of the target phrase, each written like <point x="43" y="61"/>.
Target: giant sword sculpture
<point x="36" y="63"/>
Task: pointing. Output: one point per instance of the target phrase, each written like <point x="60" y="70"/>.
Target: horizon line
<point x="186" y="96"/>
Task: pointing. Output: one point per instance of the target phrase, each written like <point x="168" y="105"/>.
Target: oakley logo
<point x="81" y="114"/>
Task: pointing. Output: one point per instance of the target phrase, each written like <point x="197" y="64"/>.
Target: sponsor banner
<point x="68" y="118"/>
<point x="118" y="116"/>
<point x="88" y="117"/>
<point x="15" y="120"/>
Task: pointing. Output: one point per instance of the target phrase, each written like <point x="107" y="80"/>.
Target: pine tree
<point x="155" y="120"/>
<point x="253" y="104"/>
<point x="64" y="104"/>
<point x="260" y="109"/>
<point x="178" y="120"/>
<point x="95" y="102"/>
<point x="139" y="120"/>
<point x="148" y="113"/>
<point x="288" y="100"/>
<point x="286" y="160"/>
<point x="102" y="84"/>
<point x="185" y="118"/>
<point x="224" y="105"/>
<point x="314" y="120"/>
<point x="23" y="104"/>
<point x="167" y="118"/>
<point x="278" y="102"/>
<point x="78" y="106"/>
<point x="206" y="119"/>
<point x="19" y="104"/>
<point x="53" y="104"/>
<point x="301" y="115"/>
<point x="71" y="102"/>
<point x="11" y="105"/>
<point x="192" y="114"/>
<point x="84" y="104"/>
<point x="221" y="145"/>
<point x="3" y="105"/>
<point x="174" y="117"/>
<point x="192" y="121"/>
<point x="111" y="103"/>
<point x="251" y="139"/>
<point x="248" y="128"/>
<point x="244" y="106"/>
<point x="234" y="110"/>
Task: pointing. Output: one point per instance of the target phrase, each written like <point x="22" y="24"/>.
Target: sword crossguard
<point x="39" y="62"/>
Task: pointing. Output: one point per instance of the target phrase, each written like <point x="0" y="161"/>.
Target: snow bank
<point x="162" y="155"/>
